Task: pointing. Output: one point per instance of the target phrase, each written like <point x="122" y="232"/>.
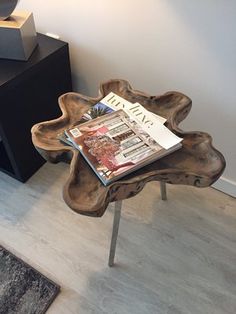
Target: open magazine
<point x="116" y="143"/>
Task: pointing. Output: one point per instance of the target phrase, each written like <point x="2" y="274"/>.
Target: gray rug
<point x="23" y="290"/>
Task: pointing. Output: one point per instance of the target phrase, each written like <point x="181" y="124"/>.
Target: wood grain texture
<point x="197" y="163"/>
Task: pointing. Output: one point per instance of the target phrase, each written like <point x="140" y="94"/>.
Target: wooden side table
<point x="197" y="163"/>
<point x="28" y="94"/>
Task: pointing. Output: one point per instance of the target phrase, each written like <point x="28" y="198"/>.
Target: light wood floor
<point x="175" y="256"/>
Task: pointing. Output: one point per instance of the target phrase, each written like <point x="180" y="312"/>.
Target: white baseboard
<point x="225" y="185"/>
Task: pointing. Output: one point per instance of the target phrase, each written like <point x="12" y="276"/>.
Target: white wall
<point x="158" y="45"/>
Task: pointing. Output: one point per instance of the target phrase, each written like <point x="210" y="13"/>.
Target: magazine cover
<point x="113" y="102"/>
<point x="98" y="110"/>
<point x="150" y="122"/>
<point x="115" y="145"/>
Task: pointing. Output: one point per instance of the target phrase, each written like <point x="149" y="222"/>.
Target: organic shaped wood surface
<point x="197" y="163"/>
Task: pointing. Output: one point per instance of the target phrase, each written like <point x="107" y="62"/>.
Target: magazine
<point x="115" y="144"/>
<point x="150" y="122"/>
<point x="114" y="102"/>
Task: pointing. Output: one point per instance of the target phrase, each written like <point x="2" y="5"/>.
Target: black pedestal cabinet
<point x="29" y="94"/>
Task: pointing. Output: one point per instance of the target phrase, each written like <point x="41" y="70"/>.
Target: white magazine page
<point x="116" y="102"/>
<point x="148" y="113"/>
<point x="162" y="135"/>
<point x="149" y="122"/>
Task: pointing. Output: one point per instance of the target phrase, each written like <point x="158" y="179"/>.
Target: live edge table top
<point x="197" y="163"/>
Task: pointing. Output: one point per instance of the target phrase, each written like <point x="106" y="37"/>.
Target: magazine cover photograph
<point x="96" y="111"/>
<point x="114" y="144"/>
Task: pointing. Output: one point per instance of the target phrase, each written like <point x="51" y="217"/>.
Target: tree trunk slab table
<point x="197" y="163"/>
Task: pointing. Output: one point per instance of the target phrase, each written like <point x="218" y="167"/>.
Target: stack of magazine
<point x="117" y="137"/>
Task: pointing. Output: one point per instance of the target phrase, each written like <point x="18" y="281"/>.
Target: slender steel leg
<point x="163" y="190"/>
<point x="116" y="222"/>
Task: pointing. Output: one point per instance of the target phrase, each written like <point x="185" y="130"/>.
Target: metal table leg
<point x="163" y="191"/>
<point x="115" y="229"/>
<point x="116" y="222"/>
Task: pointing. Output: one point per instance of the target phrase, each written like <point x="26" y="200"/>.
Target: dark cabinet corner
<point x="29" y="94"/>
